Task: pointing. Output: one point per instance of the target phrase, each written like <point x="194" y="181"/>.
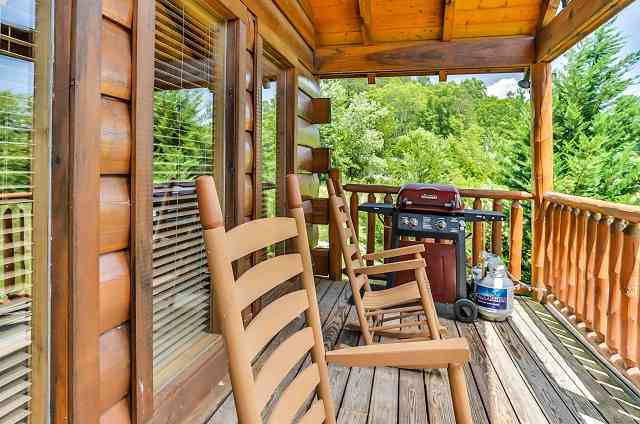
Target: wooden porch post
<point x="542" y="157"/>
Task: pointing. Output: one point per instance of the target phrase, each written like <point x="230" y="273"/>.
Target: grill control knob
<point x="404" y="220"/>
<point x="441" y="224"/>
<point x="413" y="222"/>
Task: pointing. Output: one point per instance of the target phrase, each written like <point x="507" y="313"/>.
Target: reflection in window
<point x="185" y="63"/>
<point x="17" y="81"/>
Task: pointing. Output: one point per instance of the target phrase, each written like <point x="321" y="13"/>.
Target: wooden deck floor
<point x="530" y="369"/>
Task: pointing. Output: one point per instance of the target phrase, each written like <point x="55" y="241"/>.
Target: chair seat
<point x="395" y="296"/>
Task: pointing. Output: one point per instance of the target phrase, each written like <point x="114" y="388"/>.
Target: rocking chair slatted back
<point x="253" y="389"/>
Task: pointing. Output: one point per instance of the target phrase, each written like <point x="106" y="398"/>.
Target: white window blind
<point x="184" y="98"/>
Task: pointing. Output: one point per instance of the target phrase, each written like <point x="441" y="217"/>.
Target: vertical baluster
<point x="570" y="305"/>
<point x="387" y="224"/>
<point x="371" y="228"/>
<point x="335" y="251"/>
<point x="478" y="235"/>
<point x="602" y="280"/>
<point x="28" y="246"/>
<point x="549" y="231"/>
<point x="581" y="265"/>
<point x="496" y="230"/>
<point x="592" y="240"/>
<point x="353" y="206"/>
<point x="630" y="288"/>
<point x="557" y="249"/>
<point x="515" y="240"/>
<point x="541" y="254"/>
<point x="614" y="314"/>
<point x="565" y="222"/>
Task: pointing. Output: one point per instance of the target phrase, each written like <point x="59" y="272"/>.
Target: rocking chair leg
<point x="459" y="394"/>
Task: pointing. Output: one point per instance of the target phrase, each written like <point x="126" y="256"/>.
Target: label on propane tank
<point x="487" y="297"/>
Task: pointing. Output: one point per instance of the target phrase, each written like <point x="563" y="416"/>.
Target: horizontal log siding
<point x="115" y="209"/>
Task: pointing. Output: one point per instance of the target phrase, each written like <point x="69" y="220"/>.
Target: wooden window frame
<point x="189" y="392"/>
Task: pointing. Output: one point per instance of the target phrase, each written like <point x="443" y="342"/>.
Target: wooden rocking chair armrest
<point x="394" y="253"/>
<point x="409" y="265"/>
<point x="424" y="354"/>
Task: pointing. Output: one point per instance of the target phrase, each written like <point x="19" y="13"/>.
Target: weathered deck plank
<point x="524" y="402"/>
<point x="496" y="403"/>
<point x="542" y="388"/>
<point x="478" y="411"/>
<point x="615" y="403"/>
<point x="529" y="369"/>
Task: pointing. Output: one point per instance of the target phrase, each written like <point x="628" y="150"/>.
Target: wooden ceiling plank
<point x="425" y="56"/>
<point x="448" y="19"/>
<point x="576" y="21"/>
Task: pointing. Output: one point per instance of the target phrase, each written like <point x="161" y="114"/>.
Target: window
<point x="24" y="115"/>
<point x="187" y="63"/>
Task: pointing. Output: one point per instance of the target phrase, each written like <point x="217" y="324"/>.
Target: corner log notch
<point x="576" y="21"/>
<point x="426" y="57"/>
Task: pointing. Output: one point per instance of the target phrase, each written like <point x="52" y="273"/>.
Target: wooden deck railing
<point x="493" y="241"/>
<point x="15" y="245"/>
<point x="588" y="266"/>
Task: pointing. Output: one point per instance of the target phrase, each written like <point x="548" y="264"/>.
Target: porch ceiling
<point x="409" y="37"/>
<point x="363" y="22"/>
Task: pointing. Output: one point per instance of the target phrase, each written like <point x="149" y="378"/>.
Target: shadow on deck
<point x="529" y="369"/>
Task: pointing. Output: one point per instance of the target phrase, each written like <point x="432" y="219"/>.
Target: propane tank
<point x="494" y="292"/>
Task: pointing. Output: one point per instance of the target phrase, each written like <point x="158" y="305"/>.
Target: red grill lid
<point x="430" y="198"/>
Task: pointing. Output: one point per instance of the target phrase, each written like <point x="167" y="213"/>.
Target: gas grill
<point x="434" y="215"/>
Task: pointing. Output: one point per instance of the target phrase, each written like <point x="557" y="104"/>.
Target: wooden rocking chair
<point x="253" y="389"/>
<point x="405" y="312"/>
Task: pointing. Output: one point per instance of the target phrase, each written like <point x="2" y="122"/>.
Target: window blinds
<point x="17" y="33"/>
<point x="185" y="63"/>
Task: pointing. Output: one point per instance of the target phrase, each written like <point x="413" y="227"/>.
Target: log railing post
<point x="496" y="230"/>
<point x="572" y="260"/>
<point x="541" y="258"/>
<point x="565" y="223"/>
<point x="614" y="314"/>
<point x="630" y="282"/>
<point x="387" y="224"/>
<point x="592" y="240"/>
<point x="515" y="240"/>
<point x="371" y="228"/>
<point x="335" y="253"/>
<point x="602" y="280"/>
<point x="581" y="266"/>
<point x="353" y="209"/>
<point x="478" y="234"/>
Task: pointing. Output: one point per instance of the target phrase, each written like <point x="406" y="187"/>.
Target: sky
<point x="500" y="85"/>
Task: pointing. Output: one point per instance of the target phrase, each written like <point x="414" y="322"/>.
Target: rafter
<point x="448" y="19"/>
<point x="548" y="11"/>
<point x="426" y="57"/>
<point x="364" y="8"/>
<point x="576" y="21"/>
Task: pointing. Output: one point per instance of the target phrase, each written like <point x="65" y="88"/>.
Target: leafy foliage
<point x="408" y="129"/>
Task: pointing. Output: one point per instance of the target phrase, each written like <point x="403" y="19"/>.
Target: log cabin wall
<point x="311" y="160"/>
<point x="115" y="209"/>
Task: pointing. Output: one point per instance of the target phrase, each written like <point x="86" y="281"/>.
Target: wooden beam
<point x="141" y="215"/>
<point x="75" y="219"/>
<point x="299" y="19"/>
<point x="542" y="151"/>
<point x="425" y="57"/>
<point x="442" y="76"/>
<point x="448" y="19"/>
<point x="576" y="21"/>
<point x="548" y="10"/>
<point x="278" y="32"/>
